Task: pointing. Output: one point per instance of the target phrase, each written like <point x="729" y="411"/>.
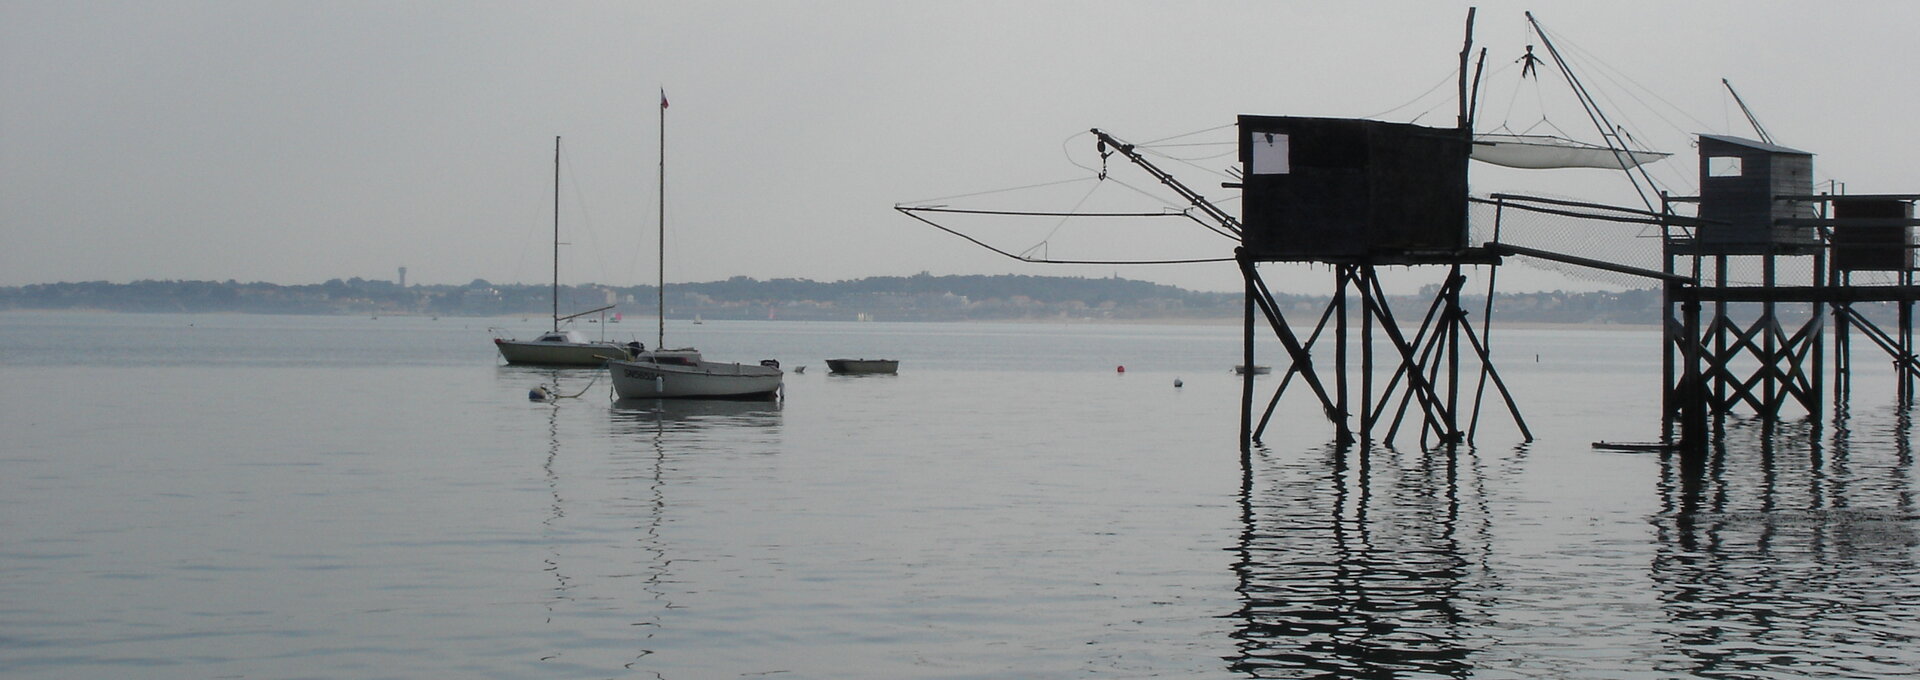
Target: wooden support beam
<point x="1487" y="370"/>
<point x="1425" y="361"/>
<point x="1424" y="391"/>
<point x="1258" y="296"/>
<point x="1427" y="344"/>
<point x="1294" y="370"/>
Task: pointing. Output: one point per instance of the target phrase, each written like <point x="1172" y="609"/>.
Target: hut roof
<point x="1763" y="146"/>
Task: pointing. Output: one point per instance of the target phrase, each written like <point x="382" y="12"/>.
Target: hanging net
<point x="1109" y="212"/>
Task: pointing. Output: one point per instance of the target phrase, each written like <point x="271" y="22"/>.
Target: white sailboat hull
<point x="699" y="380"/>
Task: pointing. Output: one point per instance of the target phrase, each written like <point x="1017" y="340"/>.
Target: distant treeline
<point x="921" y="297"/>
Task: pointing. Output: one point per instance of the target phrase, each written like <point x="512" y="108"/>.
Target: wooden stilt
<point x="1246" y="382"/>
<point x="1427" y="364"/>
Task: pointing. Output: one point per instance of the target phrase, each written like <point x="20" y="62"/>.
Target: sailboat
<point x="560" y="347"/>
<point x="683" y="373"/>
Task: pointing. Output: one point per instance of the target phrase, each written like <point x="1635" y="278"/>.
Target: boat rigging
<point x="559" y="347"/>
<point x="683" y="373"/>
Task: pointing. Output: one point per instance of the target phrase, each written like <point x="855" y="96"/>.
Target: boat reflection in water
<point x="1368" y="586"/>
<point x="694" y="414"/>
<point x="634" y="522"/>
<point x="1778" y="542"/>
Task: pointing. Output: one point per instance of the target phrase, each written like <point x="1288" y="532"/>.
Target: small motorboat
<point x="1241" y="369"/>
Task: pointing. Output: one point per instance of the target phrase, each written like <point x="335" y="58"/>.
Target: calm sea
<point x="225" y="496"/>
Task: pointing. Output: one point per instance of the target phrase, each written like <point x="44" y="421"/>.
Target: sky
<point x="296" y="141"/>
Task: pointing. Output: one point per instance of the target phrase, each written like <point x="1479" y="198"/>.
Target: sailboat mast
<point x="660" y="291"/>
<point x="556" y="233"/>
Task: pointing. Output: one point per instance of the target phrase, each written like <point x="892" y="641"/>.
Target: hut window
<point x="1723" y="166"/>
<point x="1271" y="154"/>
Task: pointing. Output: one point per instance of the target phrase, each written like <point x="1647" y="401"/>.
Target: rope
<point x="1000" y="191"/>
<point x="1215" y="128"/>
<point x="1064" y="218"/>
<point x="1026" y="213"/>
<point x="1451" y="78"/>
<point x="554" y="394"/>
<point x="1624" y="85"/>
<point x="919" y="210"/>
<point x="912" y="212"/>
<point x="586" y="220"/>
<point x="1069" y="143"/>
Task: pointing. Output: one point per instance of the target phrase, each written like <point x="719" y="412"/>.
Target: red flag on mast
<point x="663" y="99"/>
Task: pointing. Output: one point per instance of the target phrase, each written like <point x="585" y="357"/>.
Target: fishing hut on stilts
<point x="1359" y="196"/>
<point x="1753" y="266"/>
<point x="1749" y="269"/>
<point x="1773" y="260"/>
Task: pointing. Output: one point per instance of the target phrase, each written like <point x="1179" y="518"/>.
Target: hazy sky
<point x="295" y="142"/>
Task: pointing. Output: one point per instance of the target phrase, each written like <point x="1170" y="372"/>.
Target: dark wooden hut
<point x="1348" y="190"/>
<point x="1742" y="188"/>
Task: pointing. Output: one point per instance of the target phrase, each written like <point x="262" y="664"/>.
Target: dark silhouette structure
<point x="1758" y="214"/>
<point x="1359" y="195"/>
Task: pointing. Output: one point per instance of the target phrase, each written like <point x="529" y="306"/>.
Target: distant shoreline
<point x="922" y="297"/>
<point x="650" y="321"/>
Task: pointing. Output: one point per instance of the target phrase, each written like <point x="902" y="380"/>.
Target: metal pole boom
<point x="1225" y="220"/>
<point x="1755" y="122"/>
<point x="1599" y="117"/>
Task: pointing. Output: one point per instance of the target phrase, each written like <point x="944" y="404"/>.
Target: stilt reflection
<point x="1375" y="586"/>
<point x="1780" y="555"/>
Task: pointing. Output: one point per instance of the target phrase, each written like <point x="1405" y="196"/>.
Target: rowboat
<point x="863" y="366"/>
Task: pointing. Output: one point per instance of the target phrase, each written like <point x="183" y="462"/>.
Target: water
<point x="292" y="497"/>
